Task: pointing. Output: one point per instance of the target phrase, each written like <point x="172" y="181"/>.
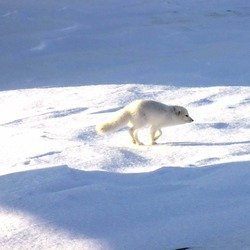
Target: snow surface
<point x="62" y="186"/>
<point x="75" y="42"/>
<point x="65" y="187"/>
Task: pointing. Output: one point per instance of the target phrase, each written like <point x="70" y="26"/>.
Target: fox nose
<point x="191" y="120"/>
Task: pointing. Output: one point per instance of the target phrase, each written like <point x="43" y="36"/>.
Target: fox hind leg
<point x="134" y="136"/>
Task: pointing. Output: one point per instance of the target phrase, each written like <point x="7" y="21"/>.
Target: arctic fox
<point x="145" y="112"/>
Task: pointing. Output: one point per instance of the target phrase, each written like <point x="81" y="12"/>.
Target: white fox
<point x="145" y="112"/>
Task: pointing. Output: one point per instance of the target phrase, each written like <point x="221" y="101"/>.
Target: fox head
<point x="182" y="115"/>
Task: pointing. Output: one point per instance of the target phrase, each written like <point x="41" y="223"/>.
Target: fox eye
<point x="187" y="116"/>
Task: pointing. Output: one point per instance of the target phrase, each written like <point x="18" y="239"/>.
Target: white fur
<point x="141" y="113"/>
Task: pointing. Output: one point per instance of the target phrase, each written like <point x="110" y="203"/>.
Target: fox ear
<point x="177" y="112"/>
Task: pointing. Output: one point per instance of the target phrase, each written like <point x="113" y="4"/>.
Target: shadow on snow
<point x="130" y="210"/>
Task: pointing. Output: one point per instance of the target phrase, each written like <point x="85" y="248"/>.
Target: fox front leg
<point x="153" y="135"/>
<point x="159" y="133"/>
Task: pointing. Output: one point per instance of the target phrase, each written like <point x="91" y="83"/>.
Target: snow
<point x="64" y="186"/>
<point x="177" y="42"/>
<point x="67" y="66"/>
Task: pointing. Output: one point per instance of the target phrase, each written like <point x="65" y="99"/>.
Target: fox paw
<point x="139" y="143"/>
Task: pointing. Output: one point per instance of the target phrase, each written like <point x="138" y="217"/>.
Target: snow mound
<point x="65" y="187"/>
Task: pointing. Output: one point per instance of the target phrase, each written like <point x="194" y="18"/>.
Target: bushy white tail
<point x="118" y="122"/>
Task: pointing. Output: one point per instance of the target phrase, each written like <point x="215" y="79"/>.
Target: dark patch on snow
<point x="245" y="101"/>
<point x="192" y="144"/>
<point x="45" y="154"/>
<point x="220" y="125"/>
<point x="107" y="110"/>
<point x="216" y="125"/>
<point x="66" y="112"/>
<point x="52" y="114"/>
<point x="201" y="102"/>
